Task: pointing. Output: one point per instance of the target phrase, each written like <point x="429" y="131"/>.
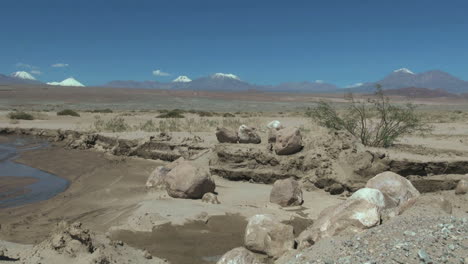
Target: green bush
<point x="176" y="113"/>
<point x="204" y="113"/>
<point x="228" y="115"/>
<point x="375" y="122"/>
<point x="68" y="112"/>
<point x="104" y="111"/>
<point x="20" y="116"/>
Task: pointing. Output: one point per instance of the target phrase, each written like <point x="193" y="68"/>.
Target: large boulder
<point x="239" y="255"/>
<point x="462" y="187"/>
<point x="288" y="141"/>
<point x="399" y="193"/>
<point x="373" y="196"/>
<point x="157" y="178"/>
<point x="189" y="181"/>
<point x="286" y="192"/>
<point x="248" y="135"/>
<point x="351" y="216"/>
<point x="226" y="136"/>
<point x="265" y="235"/>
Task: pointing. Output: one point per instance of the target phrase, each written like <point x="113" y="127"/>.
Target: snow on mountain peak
<point x="67" y="82"/>
<point x="23" y="75"/>
<point x="225" y="75"/>
<point x="182" y="78"/>
<point x="404" y="70"/>
<point x="354" y="85"/>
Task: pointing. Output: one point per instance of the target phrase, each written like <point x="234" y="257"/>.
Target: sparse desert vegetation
<point x="375" y="122"/>
<point x="68" y="112"/>
<point x="20" y="115"/>
<point x="124" y="150"/>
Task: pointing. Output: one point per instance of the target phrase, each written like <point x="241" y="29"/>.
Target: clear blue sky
<point x="264" y="42"/>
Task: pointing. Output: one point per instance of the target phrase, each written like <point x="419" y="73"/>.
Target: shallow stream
<point x="21" y="184"/>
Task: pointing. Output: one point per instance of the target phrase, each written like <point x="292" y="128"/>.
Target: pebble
<point x="423" y="256"/>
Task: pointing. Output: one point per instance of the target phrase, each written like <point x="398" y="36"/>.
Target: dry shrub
<point x="376" y="123"/>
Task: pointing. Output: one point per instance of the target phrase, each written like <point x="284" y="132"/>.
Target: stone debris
<point x="210" y="198"/>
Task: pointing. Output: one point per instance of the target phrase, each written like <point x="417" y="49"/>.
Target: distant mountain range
<point x="18" y="78"/>
<point x="398" y="79"/>
<point x="404" y="78"/>
<point x="22" y="77"/>
<point x="402" y="81"/>
<point x="226" y="82"/>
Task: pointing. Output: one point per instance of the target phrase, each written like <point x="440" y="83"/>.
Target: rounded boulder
<point x="189" y="181"/>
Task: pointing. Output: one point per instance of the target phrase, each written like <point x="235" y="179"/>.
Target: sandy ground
<point x="107" y="193"/>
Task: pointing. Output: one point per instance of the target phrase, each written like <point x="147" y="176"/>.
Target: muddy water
<point x="21" y="184"/>
<point x="196" y="242"/>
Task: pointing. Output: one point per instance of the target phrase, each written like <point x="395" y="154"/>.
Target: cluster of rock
<point x="385" y="196"/>
<point x="72" y="243"/>
<point x="158" y="147"/>
<point x="285" y="141"/>
<point x="244" y="135"/>
<point x="184" y="179"/>
<point x="319" y="159"/>
<point x="333" y="161"/>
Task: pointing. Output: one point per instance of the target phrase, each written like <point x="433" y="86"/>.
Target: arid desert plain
<point x="130" y="180"/>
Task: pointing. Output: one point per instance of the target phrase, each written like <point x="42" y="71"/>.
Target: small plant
<point x="376" y="123"/>
<point x="204" y="113"/>
<point x="20" y="116"/>
<point x="176" y="113"/>
<point x="149" y="126"/>
<point x="115" y="124"/>
<point x="170" y="125"/>
<point x="68" y="112"/>
<point x="228" y="115"/>
<point x="103" y="111"/>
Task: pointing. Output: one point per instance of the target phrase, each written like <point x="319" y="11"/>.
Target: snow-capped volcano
<point x="23" y="75"/>
<point x="225" y="76"/>
<point x="404" y="70"/>
<point x="182" y="78"/>
<point x="67" y="82"/>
